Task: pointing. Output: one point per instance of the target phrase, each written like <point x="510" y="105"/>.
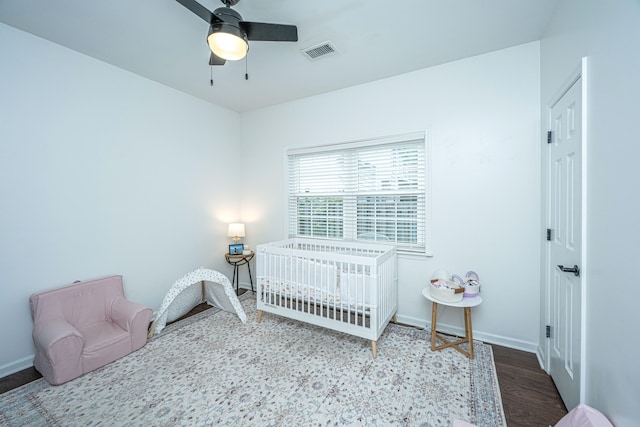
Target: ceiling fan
<point x="229" y="34"/>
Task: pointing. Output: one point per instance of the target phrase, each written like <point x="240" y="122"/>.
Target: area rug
<point x="211" y="369"/>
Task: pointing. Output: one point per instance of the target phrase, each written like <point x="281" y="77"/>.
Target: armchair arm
<point x="47" y="333"/>
<point x="133" y="318"/>
<point x="58" y="350"/>
<point x="124" y="312"/>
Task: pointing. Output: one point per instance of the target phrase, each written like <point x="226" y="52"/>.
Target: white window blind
<point x="372" y="190"/>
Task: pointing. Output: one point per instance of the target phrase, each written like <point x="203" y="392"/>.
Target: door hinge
<point x="548" y="234"/>
<point x="548" y="331"/>
<point x="549" y="138"/>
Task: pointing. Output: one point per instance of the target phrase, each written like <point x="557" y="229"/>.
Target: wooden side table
<point x="466" y="303"/>
<point x="236" y="261"/>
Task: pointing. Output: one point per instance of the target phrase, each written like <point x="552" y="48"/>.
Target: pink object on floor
<point x="584" y="416"/>
<point x="84" y="326"/>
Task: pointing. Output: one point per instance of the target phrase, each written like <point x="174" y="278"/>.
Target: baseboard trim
<point x="16" y="366"/>
<point x="411" y="321"/>
<point x="541" y="360"/>
<point x="245" y="285"/>
<point x="529" y="347"/>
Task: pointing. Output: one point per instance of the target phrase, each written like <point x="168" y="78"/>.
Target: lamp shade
<point x="227" y="42"/>
<point x="236" y="230"/>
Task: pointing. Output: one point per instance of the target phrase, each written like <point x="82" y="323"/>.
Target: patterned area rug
<point x="211" y="369"/>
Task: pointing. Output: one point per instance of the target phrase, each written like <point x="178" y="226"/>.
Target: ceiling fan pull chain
<point x="211" y="80"/>
<point x="246" y="67"/>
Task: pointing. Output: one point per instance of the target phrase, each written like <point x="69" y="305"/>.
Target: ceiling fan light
<point x="228" y="42"/>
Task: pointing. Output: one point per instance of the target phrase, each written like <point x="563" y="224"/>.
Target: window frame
<point x="422" y="136"/>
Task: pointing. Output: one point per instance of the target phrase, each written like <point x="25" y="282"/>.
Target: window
<point x="372" y="190"/>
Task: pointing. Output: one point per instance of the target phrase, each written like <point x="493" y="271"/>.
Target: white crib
<point x="344" y="286"/>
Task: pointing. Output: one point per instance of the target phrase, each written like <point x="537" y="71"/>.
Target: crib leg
<point x="374" y="349"/>
<point x="260" y="315"/>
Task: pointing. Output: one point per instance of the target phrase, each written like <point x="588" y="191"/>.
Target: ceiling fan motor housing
<point x="228" y="15"/>
<point x="229" y="22"/>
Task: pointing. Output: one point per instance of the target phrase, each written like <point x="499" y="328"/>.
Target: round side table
<point x="466" y="303"/>
<point x="236" y="261"/>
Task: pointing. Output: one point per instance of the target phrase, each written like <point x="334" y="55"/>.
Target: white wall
<point x="102" y="172"/>
<point x="609" y="34"/>
<point x="482" y="117"/>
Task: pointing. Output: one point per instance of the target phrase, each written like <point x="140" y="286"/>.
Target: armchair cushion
<point x="84" y="326"/>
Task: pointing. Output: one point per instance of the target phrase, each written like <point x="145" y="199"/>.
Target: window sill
<point x="414" y="255"/>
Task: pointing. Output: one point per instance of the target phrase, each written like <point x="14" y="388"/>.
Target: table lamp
<point x="236" y="231"/>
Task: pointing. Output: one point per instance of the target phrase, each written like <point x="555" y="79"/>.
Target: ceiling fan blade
<point x="216" y="60"/>
<point x="260" y="31"/>
<point x="198" y="9"/>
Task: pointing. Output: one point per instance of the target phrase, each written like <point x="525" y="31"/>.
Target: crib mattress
<point x="311" y="294"/>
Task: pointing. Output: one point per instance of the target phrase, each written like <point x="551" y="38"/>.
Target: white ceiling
<point x="165" y="42"/>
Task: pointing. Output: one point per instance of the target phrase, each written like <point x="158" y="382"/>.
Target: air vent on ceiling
<point x="319" y="51"/>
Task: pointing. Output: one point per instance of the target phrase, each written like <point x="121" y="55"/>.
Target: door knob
<point x="575" y="269"/>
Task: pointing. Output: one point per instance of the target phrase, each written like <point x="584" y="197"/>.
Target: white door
<point x="565" y="247"/>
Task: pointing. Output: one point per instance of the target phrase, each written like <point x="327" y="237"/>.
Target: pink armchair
<point x="84" y="326"/>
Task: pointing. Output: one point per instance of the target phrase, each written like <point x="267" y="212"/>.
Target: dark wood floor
<point x="529" y="396"/>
